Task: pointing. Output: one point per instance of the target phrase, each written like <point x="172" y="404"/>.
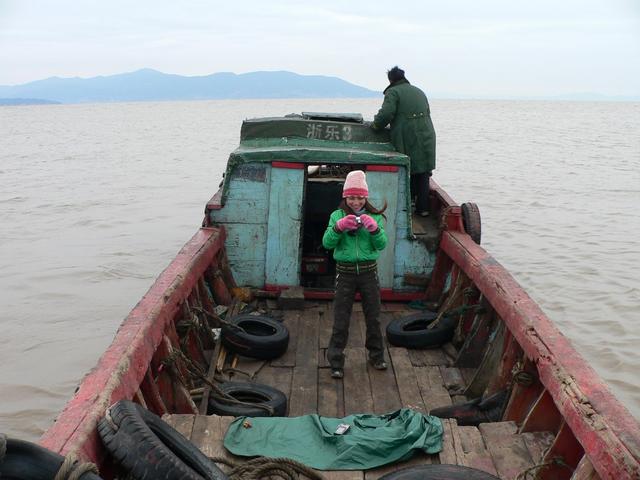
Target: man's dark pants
<point x="346" y="287"/>
<point x="420" y="189"/>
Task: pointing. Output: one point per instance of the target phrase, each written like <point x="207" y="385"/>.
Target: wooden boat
<point x="259" y="245"/>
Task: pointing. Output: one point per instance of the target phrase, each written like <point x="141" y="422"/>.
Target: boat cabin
<point x="283" y="182"/>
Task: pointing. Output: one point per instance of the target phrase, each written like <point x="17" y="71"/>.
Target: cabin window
<point x="323" y="193"/>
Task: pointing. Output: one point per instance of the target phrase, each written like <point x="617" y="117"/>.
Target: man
<point x="406" y="108"/>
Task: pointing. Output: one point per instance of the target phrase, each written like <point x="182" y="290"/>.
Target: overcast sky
<point x="467" y="47"/>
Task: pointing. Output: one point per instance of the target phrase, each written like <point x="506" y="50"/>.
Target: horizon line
<point x="573" y="96"/>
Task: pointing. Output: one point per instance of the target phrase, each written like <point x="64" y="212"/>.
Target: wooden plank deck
<point x="421" y="380"/>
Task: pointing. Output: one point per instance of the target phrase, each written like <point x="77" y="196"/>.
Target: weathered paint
<point x="263" y="215"/>
<point x="247" y="201"/>
<point x="523" y="397"/>
<point x="326" y="130"/>
<point x="247" y="245"/>
<point x="413" y="258"/>
<point x="382" y="168"/>
<point x="150" y="391"/>
<point x="123" y="366"/>
<point x="606" y="430"/>
<point x="292" y="165"/>
<point x="410" y="256"/>
<point x="283" y="235"/>
<point x="383" y="187"/>
<point x="543" y="416"/>
<point x="245" y="216"/>
<point x="566" y="447"/>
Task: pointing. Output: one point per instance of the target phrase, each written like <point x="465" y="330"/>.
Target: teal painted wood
<point x="247" y="200"/>
<point x="246" y="246"/>
<point x="383" y="186"/>
<point x="285" y="217"/>
<point x="411" y="256"/>
<point x="244" y="217"/>
<point x="402" y="217"/>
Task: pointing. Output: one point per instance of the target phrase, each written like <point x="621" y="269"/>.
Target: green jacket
<point x="406" y="108"/>
<point x="360" y="247"/>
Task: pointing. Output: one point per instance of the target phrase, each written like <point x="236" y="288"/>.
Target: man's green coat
<point x="406" y="108"/>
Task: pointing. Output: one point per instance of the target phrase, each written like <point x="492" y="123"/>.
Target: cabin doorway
<point x="323" y="192"/>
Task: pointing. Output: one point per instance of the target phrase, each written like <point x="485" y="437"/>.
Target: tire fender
<point x="147" y="447"/>
<point x="255" y="393"/>
<point x="471" y="221"/>
<point x="412" y="331"/>
<point x="255" y="336"/>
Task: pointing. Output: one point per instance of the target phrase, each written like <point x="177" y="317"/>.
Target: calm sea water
<point x="95" y="200"/>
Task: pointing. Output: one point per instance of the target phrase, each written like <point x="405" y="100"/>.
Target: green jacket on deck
<point x="406" y="108"/>
<point x="360" y="247"/>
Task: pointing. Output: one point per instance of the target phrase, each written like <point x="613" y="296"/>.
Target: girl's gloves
<point x="368" y="223"/>
<point x="350" y="223"/>
<point x="347" y="223"/>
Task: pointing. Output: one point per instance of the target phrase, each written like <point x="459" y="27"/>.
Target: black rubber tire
<point x="439" y="472"/>
<point x="148" y="448"/>
<point x="412" y="332"/>
<point x="255" y="393"/>
<point x="471" y="221"/>
<point x="259" y="336"/>
<point x="29" y="461"/>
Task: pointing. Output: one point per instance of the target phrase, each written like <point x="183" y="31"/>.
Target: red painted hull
<point x="591" y="425"/>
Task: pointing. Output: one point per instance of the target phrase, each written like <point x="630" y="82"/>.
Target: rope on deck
<point x="265" y="467"/>
<point x="72" y="469"/>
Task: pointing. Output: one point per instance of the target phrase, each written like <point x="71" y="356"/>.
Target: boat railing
<point x="552" y="387"/>
<point x="145" y="362"/>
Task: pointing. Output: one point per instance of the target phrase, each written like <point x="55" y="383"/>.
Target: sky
<point x="460" y="47"/>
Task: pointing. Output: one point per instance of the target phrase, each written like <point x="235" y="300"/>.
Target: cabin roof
<point x="309" y="152"/>
<point x="315" y="138"/>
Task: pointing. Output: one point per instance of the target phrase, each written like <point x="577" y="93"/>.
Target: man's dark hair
<point x="395" y="74"/>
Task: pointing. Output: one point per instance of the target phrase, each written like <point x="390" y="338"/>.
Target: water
<point x="95" y="200"/>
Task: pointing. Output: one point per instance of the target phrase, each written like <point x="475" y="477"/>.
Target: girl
<point x="356" y="235"/>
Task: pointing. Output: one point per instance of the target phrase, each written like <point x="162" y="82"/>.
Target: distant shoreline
<point x="26" y="101"/>
<point x="154" y="86"/>
<point x="18" y="102"/>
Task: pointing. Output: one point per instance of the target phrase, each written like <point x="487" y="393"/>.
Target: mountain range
<point x="152" y="85"/>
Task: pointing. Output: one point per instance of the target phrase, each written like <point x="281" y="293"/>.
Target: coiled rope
<point x="265" y="467"/>
<point x="73" y="469"/>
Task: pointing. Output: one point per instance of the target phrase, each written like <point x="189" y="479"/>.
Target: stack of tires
<point x="263" y="338"/>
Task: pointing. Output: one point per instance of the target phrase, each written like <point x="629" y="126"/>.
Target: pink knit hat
<point x="355" y="185"/>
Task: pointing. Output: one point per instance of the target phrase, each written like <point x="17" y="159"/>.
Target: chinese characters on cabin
<point x="329" y="132"/>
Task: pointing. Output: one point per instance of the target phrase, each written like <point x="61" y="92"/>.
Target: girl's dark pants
<point x="346" y="286"/>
